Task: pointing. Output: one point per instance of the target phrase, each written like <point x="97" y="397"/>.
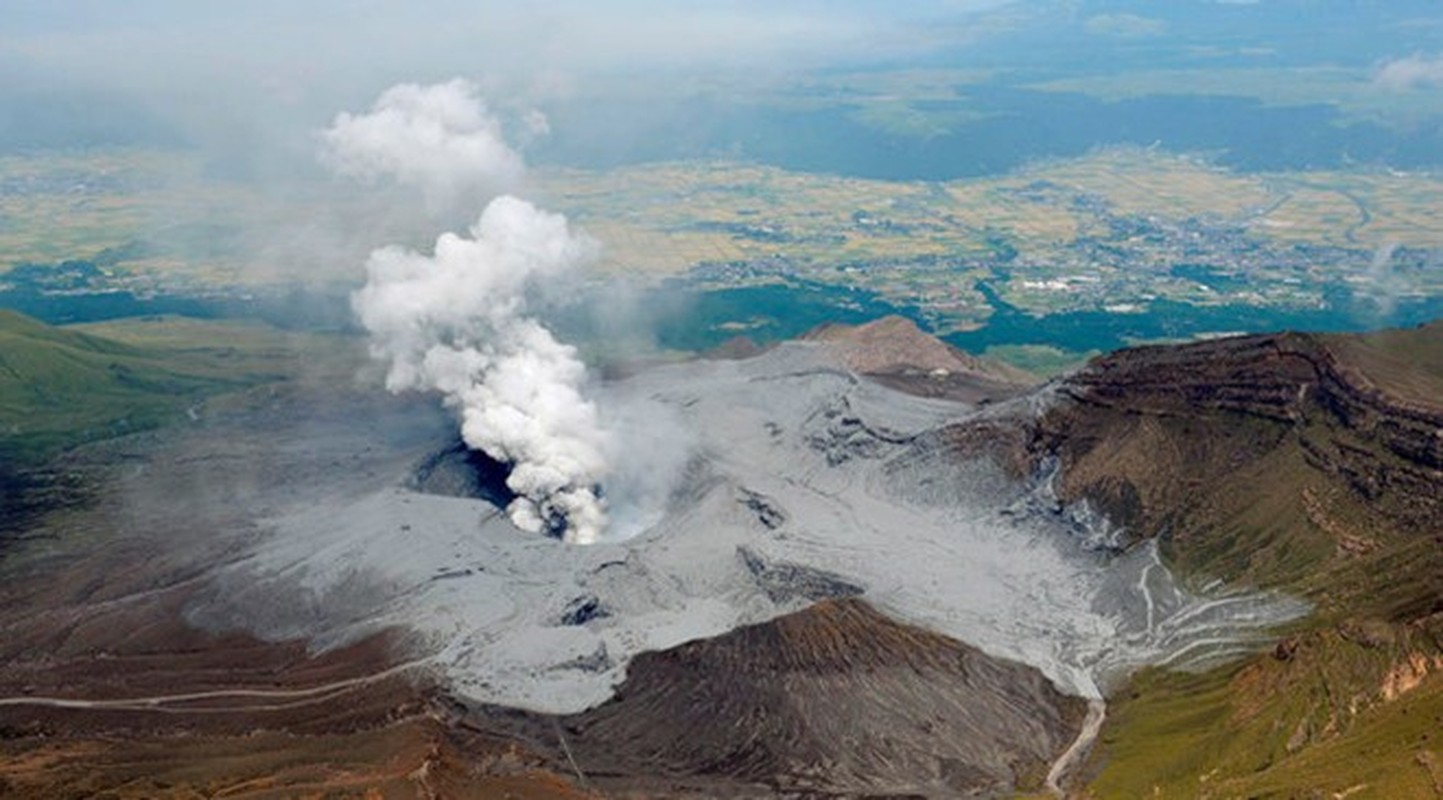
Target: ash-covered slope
<point x="832" y="700"/>
<point x="804" y="482"/>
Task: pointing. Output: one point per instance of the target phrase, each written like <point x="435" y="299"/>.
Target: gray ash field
<point x="803" y="482"/>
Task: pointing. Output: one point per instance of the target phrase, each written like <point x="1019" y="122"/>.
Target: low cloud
<point x="440" y="139"/>
<point x="1413" y="72"/>
<point x="238" y="81"/>
<point x="1124" y="26"/>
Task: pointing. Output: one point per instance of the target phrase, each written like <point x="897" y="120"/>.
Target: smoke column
<point x="455" y="321"/>
<point x="440" y="139"/>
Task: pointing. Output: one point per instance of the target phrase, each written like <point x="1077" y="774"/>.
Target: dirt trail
<point x="166" y="702"/>
<point x="1091" y="726"/>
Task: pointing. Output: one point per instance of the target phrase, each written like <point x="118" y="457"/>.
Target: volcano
<point x="853" y="587"/>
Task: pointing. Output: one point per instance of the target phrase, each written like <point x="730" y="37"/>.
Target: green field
<point x="60" y="387"/>
<point x="1344" y="718"/>
<point x="1106" y="233"/>
<point x="662" y="219"/>
<point x="1351" y="89"/>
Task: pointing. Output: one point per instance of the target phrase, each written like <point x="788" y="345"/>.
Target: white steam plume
<point x="440" y="139"/>
<point x="1384" y="285"/>
<point x="455" y="321"/>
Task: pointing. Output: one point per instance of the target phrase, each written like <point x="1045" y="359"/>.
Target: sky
<point x="281" y="43"/>
<point x="291" y="52"/>
<point x="265" y="70"/>
<point x="264" y="74"/>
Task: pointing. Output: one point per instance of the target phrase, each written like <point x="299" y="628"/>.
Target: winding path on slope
<point x="1091" y="726"/>
<point x="166" y="702"/>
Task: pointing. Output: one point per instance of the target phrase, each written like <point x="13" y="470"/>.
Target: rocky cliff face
<point x="1275" y="459"/>
<point x="1308" y="462"/>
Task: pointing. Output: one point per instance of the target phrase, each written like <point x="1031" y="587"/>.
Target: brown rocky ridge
<point x="1285" y="459"/>
<point x="836" y="700"/>
<point x="894" y="352"/>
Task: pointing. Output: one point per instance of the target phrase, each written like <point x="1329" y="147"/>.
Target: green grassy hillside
<point x="60" y="387"/>
<point x="1354" y="710"/>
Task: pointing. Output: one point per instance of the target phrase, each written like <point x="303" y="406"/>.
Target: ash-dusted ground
<point x="801" y="481"/>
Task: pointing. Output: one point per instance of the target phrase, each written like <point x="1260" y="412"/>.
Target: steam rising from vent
<point x="455" y="321"/>
<point x="440" y="139"/>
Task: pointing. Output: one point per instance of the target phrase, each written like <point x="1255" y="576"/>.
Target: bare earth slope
<point x="107" y="690"/>
<point x="832" y="700"/>
<point x="894" y="352"/>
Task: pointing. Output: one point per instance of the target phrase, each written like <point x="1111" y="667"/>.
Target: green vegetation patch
<point x="60" y="387"/>
<point x="1041" y="360"/>
<point x="1407" y="364"/>
<point x="1352" y="711"/>
<point x="1352" y="90"/>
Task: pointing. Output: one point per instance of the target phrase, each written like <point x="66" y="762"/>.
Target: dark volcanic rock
<point x="836" y="700"/>
<point x="1350" y="428"/>
<point x="768" y="513"/>
<point x="842" y="435"/>
<point x="583" y="610"/>
<point x="458" y="471"/>
<point x="784" y="582"/>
